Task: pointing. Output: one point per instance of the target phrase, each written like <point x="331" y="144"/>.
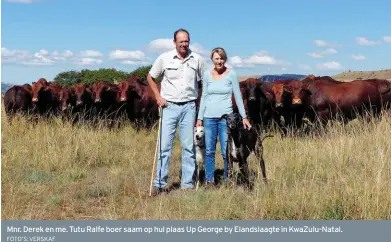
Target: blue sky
<point x="41" y="38"/>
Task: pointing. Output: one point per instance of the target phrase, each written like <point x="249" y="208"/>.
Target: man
<point x="182" y="69"/>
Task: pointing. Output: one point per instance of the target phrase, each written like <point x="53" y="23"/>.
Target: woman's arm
<point x="201" y="110"/>
<point x="238" y="95"/>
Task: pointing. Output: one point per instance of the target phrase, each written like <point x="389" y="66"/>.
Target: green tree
<point x="87" y="76"/>
<point x="103" y="74"/>
<point x="68" y="78"/>
<point x="142" y="73"/>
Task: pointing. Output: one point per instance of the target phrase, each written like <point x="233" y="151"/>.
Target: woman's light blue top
<point x="216" y="97"/>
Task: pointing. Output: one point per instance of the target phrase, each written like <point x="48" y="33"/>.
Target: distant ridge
<point x="5" y="87"/>
<point x="354" y="75"/>
<point x="344" y="76"/>
<point x="268" y="78"/>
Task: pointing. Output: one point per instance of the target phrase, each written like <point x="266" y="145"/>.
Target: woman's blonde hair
<point x="219" y="51"/>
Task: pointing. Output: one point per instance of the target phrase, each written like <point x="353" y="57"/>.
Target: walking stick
<point x="157" y="144"/>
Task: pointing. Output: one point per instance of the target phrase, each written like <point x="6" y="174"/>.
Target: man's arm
<point x="156" y="70"/>
<point x="201" y="70"/>
<point x="153" y="85"/>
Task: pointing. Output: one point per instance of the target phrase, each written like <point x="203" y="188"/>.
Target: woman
<point x="217" y="88"/>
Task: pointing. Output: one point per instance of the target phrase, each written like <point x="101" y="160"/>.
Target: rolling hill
<point x="354" y="75"/>
<point x="5" y="87"/>
<point x="344" y="76"/>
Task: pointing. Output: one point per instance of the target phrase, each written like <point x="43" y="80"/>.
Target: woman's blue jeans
<point x="214" y="127"/>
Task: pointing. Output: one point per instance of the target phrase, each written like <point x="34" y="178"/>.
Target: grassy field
<point x="55" y="171"/>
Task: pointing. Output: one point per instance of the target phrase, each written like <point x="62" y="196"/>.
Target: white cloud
<point x="329" y="51"/>
<point x="126" y="54"/>
<point x="44" y="57"/>
<point x="130" y="62"/>
<point x="365" y="41"/>
<point x="43" y="52"/>
<point x="57" y="56"/>
<point x="25" y="57"/>
<point x="315" y="55"/>
<point x="387" y="39"/>
<point x="305" y="67"/>
<point x="329" y="66"/>
<point x="227" y="64"/>
<point x="39" y="61"/>
<point x="22" y="1"/>
<point x="258" y="58"/>
<point x="197" y="48"/>
<point x="321" y="43"/>
<point x="235" y="61"/>
<point x="40" y="58"/>
<point x="86" y="61"/>
<point x="320" y="54"/>
<point x="90" y="53"/>
<point x="14" y="55"/>
<point x="68" y="53"/>
<point x="130" y="57"/>
<point x="358" y="57"/>
<point x="161" y="45"/>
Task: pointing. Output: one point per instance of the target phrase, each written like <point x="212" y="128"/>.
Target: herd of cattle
<point x="101" y="101"/>
<point x="317" y="99"/>
<point x="285" y="103"/>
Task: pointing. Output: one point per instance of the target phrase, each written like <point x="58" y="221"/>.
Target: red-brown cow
<point x="144" y="111"/>
<point x="17" y="99"/>
<point x="244" y="98"/>
<point x="384" y="88"/>
<point x="104" y="96"/>
<point x="67" y="99"/>
<point x="45" y="98"/>
<point x="259" y="107"/>
<point x="322" y="79"/>
<point x="67" y="103"/>
<point x="125" y="90"/>
<point x="84" y="102"/>
<point x="280" y="101"/>
<point x="42" y="81"/>
<point x="82" y="93"/>
<point x="348" y="99"/>
<point x="298" y="95"/>
<point x="126" y="97"/>
<point x="274" y="91"/>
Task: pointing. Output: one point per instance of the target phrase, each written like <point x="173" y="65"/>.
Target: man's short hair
<point x="181" y="30"/>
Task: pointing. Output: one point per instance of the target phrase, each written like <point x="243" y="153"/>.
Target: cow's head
<point x="43" y="81"/>
<point x="251" y="88"/>
<point x="137" y="88"/>
<point x="81" y="91"/>
<point x="36" y="89"/>
<point x="278" y="92"/>
<point x="123" y="88"/>
<point x="299" y="91"/>
<point x="311" y="77"/>
<point x="65" y="97"/>
<point x="98" y="89"/>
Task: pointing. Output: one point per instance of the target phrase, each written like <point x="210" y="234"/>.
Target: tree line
<point x="86" y="76"/>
